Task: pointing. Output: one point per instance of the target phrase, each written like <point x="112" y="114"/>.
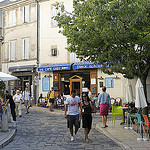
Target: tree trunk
<point x="143" y="80"/>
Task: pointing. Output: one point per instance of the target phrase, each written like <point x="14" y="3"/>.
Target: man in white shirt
<point x="26" y="99"/>
<point x="72" y="116"/>
<point x="18" y="99"/>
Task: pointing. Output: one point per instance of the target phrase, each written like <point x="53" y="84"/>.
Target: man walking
<point x="18" y="99"/>
<point x="51" y="99"/>
<point x="26" y="99"/>
<point x="9" y="100"/>
<point x="72" y="116"/>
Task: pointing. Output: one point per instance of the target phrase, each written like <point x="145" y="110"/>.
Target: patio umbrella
<point x="129" y="98"/>
<point x="7" y="77"/>
<point x="140" y="101"/>
<point x="129" y="92"/>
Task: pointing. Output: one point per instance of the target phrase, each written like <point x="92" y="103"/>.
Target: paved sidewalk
<point x="7" y="137"/>
<point x="127" y="139"/>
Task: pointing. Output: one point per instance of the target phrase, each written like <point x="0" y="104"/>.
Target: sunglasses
<point x="84" y="96"/>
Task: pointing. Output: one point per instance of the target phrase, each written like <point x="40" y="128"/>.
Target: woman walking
<point x="104" y="102"/>
<point x="86" y="114"/>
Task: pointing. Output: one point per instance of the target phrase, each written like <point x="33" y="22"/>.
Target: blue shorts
<point x="51" y="100"/>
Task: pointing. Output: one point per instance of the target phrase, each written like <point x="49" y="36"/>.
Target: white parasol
<point x="7" y="77"/>
<point x="140" y="101"/>
<point x="129" y="92"/>
<point x="129" y="99"/>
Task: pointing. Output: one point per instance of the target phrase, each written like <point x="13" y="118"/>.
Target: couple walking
<point x="74" y="115"/>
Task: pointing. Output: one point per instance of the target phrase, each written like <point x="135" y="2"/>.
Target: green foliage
<point x="2" y="88"/>
<point x="115" y="33"/>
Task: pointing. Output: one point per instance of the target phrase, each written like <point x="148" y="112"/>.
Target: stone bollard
<point x="4" y="122"/>
<point x="8" y="114"/>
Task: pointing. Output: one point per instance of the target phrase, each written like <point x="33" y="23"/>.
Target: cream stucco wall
<point x="18" y="33"/>
<point x="49" y="35"/>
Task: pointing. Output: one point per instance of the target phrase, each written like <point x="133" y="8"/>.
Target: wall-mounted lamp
<point x="101" y="78"/>
<point x="116" y="77"/>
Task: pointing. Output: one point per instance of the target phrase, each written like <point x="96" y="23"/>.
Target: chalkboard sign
<point x="93" y="90"/>
<point x="101" y="84"/>
<point x="55" y="85"/>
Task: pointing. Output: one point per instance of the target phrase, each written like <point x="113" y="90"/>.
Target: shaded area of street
<point x="39" y="130"/>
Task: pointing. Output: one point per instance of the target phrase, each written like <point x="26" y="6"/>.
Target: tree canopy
<point x="115" y="33"/>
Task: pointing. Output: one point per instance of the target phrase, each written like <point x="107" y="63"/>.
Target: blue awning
<point x="85" y="65"/>
<point x="55" y="67"/>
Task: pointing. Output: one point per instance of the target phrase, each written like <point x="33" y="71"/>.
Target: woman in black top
<point x="86" y="114"/>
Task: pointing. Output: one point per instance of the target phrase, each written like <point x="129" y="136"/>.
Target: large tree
<point x="115" y="33"/>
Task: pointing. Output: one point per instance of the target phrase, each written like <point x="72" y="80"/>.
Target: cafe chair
<point x="116" y="111"/>
<point x="147" y="124"/>
<point x="138" y="116"/>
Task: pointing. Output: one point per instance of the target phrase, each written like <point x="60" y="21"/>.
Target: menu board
<point x="109" y="82"/>
<point x="55" y="84"/>
<point x="45" y="84"/>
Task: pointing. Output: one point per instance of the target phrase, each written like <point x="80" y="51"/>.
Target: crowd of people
<point x="75" y="108"/>
<point x="15" y="101"/>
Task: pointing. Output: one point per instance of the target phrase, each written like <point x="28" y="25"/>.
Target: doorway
<point x="76" y="84"/>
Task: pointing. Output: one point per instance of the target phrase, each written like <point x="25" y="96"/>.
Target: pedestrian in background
<point x="18" y="100"/>
<point x="9" y="100"/>
<point x="104" y="102"/>
<point x="89" y="94"/>
<point x="85" y="111"/>
<point x="51" y="99"/>
<point x="73" y="102"/>
<point x="26" y="99"/>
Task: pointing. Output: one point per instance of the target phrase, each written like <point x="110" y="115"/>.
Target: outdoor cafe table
<point x="123" y="108"/>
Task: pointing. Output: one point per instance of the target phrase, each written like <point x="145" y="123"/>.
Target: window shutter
<point x="10" y="18"/>
<point x="12" y="47"/>
<point x="23" y="49"/>
<point x="27" y="13"/>
<point x="14" y="18"/>
<point x="23" y="14"/>
<point x="26" y="48"/>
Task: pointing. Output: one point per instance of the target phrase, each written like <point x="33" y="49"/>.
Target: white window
<point x="26" y="14"/>
<point x="25" y="48"/>
<point x="12" y="50"/>
<point x="54" y="13"/>
<point x="73" y="57"/>
<point x="12" y="18"/>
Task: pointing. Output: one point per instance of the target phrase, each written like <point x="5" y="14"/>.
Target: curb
<point x="105" y="132"/>
<point x="8" y="139"/>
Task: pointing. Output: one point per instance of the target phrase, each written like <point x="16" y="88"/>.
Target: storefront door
<point x="76" y="84"/>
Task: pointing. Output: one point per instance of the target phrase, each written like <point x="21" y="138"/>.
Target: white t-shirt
<point x="26" y="95"/>
<point x="73" y="108"/>
<point x="17" y="98"/>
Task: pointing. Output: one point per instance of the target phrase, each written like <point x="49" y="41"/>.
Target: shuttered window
<point x="12" y="50"/>
<point x="12" y="18"/>
<point x="26" y="14"/>
<point x="54" y="13"/>
<point x="73" y="57"/>
<point x="25" y="48"/>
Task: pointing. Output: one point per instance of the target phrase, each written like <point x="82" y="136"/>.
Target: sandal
<point x="106" y="126"/>
<point x="103" y="127"/>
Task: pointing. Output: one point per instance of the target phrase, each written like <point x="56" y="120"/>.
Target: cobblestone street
<point x="44" y="131"/>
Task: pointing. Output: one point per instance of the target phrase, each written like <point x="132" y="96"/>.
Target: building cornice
<point x="16" y="4"/>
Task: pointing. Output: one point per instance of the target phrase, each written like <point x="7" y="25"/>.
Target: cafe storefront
<point x="65" y="77"/>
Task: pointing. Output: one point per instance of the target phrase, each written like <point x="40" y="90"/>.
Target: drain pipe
<point x="38" y="31"/>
